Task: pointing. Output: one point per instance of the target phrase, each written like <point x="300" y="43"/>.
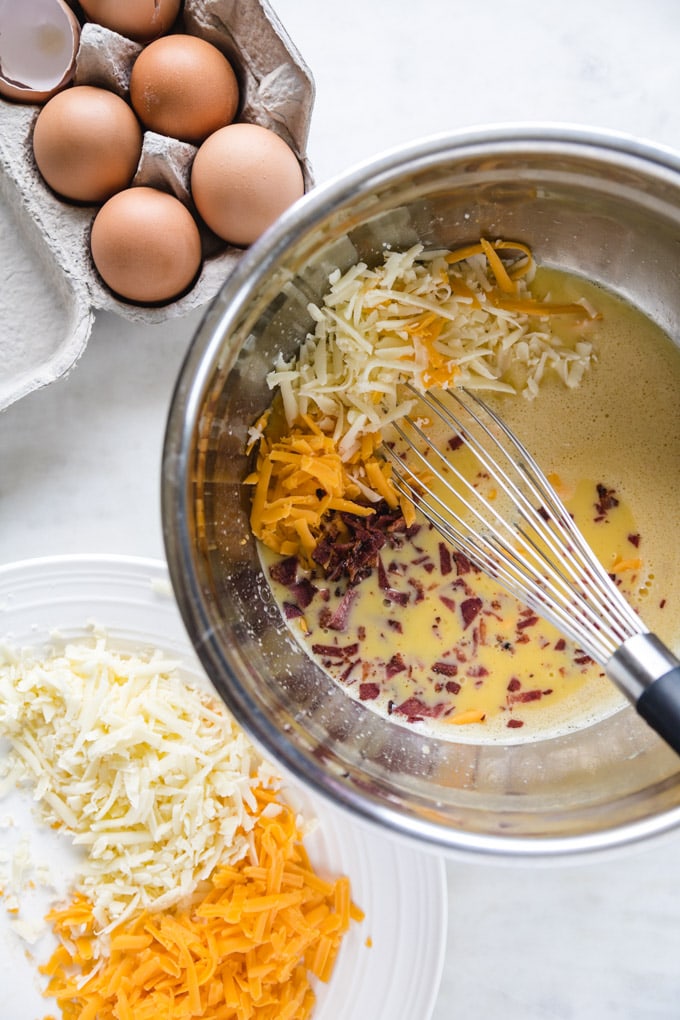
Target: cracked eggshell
<point x="49" y="258"/>
<point x="38" y="46"/>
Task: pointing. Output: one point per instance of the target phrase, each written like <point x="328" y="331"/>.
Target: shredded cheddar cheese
<point x="428" y="318"/>
<point x="301" y="477"/>
<point x="243" y="950"/>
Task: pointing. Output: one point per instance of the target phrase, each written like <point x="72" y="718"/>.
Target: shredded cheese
<point x="150" y="777"/>
<point x="428" y="318"/>
<point x="243" y="950"/>
<point x="301" y="477"/>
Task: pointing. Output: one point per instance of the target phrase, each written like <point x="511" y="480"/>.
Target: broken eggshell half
<point x="38" y="46"/>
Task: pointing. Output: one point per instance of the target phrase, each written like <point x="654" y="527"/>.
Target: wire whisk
<point x="501" y="511"/>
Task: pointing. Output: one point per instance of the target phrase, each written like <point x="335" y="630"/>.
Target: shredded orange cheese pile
<point x="243" y="950"/>
<point x="301" y="477"/>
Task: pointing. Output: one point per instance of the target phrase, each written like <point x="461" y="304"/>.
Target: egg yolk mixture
<point x="428" y="638"/>
<point x="424" y="637"/>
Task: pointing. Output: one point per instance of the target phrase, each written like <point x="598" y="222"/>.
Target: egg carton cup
<point x="50" y="289"/>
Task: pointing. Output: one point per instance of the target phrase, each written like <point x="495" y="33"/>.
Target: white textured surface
<point x="596" y="941"/>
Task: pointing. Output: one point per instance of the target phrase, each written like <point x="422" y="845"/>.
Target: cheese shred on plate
<point x="148" y="775"/>
<point x="424" y="318"/>
<point x="244" y="948"/>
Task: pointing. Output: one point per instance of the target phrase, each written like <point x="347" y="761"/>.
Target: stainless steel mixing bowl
<point x="603" y="206"/>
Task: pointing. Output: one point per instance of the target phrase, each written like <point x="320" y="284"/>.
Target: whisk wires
<point x="497" y="507"/>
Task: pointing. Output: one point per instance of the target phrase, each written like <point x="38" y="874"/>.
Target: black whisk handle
<point x="659" y="706"/>
<point x="649" y="674"/>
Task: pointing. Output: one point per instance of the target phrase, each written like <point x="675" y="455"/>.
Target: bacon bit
<point x="452" y="687"/>
<point x="449" y="603"/>
<point x="336" y="651"/>
<point x="476" y="671"/>
<point x="606" y="500"/>
<point x="390" y="593"/>
<point x="634" y="540"/>
<point x="414" y="709"/>
<point x="525" y="696"/>
<point x="338" y="619"/>
<point x="445" y="565"/>
<point x="455" y="443"/>
<point x="344" y="677"/>
<point x="528" y="621"/>
<point x="350" y="544"/>
<point x="445" y="668"/>
<point x="514" y="724"/>
<point x="463" y="564"/>
<point x="395" y="665"/>
<point x="285" y="571"/>
<point x="291" y="611"/>
<point x="470" y="609"/>
<point x="396" y="625"/>
<point x="662" y="604"/>
<point x="560" y="645"/>
<point x="369" y="691"/>
<point x="303" y="591"/>
<point x="514" y="684"/>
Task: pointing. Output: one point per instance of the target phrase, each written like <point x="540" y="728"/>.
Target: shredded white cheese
<point x="380" y="328"/>
<point x="153" y="779"/>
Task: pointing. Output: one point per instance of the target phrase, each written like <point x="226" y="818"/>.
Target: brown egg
<point x="146" y="245"/>
<point x="38" y="46"/>
<point x="243" y="177"/>
<point x="184" y="87"/>
<point x="141" y="20"/>
<point x="87" y="143"/>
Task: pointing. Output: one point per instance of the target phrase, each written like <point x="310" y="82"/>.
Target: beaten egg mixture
<point x="430" y="641"/>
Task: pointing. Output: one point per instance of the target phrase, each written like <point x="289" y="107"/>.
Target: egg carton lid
<point x="51" y="291"/>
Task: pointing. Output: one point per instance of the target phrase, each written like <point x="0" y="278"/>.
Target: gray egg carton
<point x="50" y="289"/>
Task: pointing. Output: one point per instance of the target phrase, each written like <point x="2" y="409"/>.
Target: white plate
<point x="389" y="966"/>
